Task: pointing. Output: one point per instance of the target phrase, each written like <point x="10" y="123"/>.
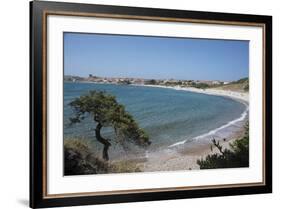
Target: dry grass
<point x="241" y="85"/>
<point x="80" y="158"/>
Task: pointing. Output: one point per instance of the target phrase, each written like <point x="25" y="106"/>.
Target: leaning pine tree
<point x="107" y="112"/>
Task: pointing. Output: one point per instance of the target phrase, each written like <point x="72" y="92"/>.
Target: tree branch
<point x="217" y="145"/>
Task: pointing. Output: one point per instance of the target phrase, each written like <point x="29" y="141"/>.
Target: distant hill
<point x="241" y="85"/>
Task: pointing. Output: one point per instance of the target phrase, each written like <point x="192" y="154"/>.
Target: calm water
<point x="168" y="116"/>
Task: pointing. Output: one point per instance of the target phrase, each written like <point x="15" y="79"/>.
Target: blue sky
<point x="155" y="57"/>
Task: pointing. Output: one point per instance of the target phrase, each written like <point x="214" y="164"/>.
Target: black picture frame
<point x="38" y="11"/>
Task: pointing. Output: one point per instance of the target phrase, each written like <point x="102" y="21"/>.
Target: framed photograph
<point x="140" y="104"/>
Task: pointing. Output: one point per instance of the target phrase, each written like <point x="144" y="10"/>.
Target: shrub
<point x="79" y="159"/>
<point x="200" y="85"/>
<point x="237" y="156"/>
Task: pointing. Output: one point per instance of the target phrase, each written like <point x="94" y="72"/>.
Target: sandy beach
<point x="244" y="96"/>
<point x="184" y="155"/>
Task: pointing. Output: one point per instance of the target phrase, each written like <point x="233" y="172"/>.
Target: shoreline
<point x="240" y="96"/>
<point x="184" y="158"/>
<point x="237" y="96"/>
<point x="183" y="155"/>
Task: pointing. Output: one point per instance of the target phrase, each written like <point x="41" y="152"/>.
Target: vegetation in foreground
<point x="79" y="159"/>
<point x="103" y="108"/>
<point x="107" y="112"/>
<point x="237" y="156"/>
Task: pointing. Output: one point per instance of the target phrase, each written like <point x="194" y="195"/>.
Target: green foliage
<point x="200" y="85"/>
<point x="242" y="80"/>
<point x="79" y="159"/>
<point x="124" y="82"/>
<point x="246" y="87"/>
<point x="237" y="156"/>
<point x="150" y="82"/>
<point x="107" y="112"/>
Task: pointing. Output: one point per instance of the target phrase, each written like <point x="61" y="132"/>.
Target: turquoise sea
<point x="169" y="116"/>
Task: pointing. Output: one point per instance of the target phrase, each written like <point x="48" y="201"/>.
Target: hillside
<point x="241" y="85"/>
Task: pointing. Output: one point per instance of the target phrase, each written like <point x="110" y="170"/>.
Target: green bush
<point x="200" y="85"/>
<point x="237" y="156"/>
<point x="79" y="159"/>
<point x="246" y="87"/>
<point x="150" y="82"/>
<point x="242" y="80"/>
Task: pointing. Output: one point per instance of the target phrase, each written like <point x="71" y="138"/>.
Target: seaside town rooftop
<point x="142" y="81"/>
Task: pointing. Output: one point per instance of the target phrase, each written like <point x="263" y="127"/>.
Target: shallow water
<point x="170" y="117"/>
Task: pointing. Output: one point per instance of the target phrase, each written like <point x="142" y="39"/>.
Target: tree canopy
<point x="107" y="112"/>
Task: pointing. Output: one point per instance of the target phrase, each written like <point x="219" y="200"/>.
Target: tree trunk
<point x="104" y="141"/>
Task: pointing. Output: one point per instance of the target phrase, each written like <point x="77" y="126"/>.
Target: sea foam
<point x="214" y="131"/>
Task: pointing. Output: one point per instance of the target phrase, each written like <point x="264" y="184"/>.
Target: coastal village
<point x="237" y="90"/>
<point x="140" y="81"/>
